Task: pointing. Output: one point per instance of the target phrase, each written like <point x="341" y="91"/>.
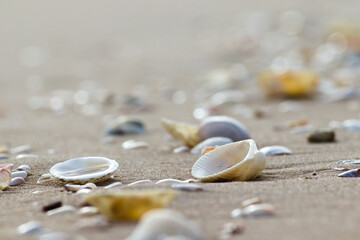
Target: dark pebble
<point x="52" y="206"/>
<point x="321" y="136"/>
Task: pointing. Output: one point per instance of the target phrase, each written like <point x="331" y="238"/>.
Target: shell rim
<point x="113" y="166"/>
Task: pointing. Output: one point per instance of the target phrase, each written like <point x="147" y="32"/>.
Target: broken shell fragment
<point x="186" y="133"/>
<point x="88" y="211"/>
<point x="188" y="187"/>
<point x="222" y="126"/>
<point x="158" y="224"/>
<point x="130" y="205"/>
<point x="5" y="178"/>
<point x="124" y="125"/>
<point x="210" y="142"/>
<point x="350" y="173"/>
<point x="72" y="187"/>
<point x="321" y="136"/>
<point x="181" y="149"/>
<point x="234" y="161"/>
<point x="16" y="181"/>
<point x="84" y="170"/>
<point x="275" y="150"/>
<point x="27" y="156"/>
<point x="7" y="166"/>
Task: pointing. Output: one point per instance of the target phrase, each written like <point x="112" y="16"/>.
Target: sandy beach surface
<point x="151" y="48"/>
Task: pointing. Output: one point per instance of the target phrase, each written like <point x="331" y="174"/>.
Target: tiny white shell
<point x="275" y="150"/>
<point x="113" y="185"/>
<point x="181" y="149"/>
<point x="157" y="224"/>
<point x="44" y="178"/>
<point x="211" y="142"/>
<point x="259" y="210"/>
<point x="132" y="144"/>
<point x="30" y="228"/>
<point x="169" y="180"/>
<point x="16" y="181"/>
<point x="84" y="170"/>
<point x="234" y="161"/>
<point x="61" y="210"/>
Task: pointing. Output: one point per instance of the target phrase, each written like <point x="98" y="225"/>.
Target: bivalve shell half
<point x="84" y="170"/>
<point x="240" y="161"/>
<point x="222" y="126"/>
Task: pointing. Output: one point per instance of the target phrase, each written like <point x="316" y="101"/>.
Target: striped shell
<point x="235" y="161"/>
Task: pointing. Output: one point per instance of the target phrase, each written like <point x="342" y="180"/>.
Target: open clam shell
<point x="85" y="169"/>
<point x="239" y="161"/>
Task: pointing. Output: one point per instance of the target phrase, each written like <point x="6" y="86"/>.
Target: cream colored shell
<point x="238" y="161"/>
<point x="85" y="169"/>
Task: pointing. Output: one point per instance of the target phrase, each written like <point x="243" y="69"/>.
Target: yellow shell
<point x="5" y="178"/>
<point x="290" y="84"/>
<point x="130" y="205"/>
<point x="186" y="133"/>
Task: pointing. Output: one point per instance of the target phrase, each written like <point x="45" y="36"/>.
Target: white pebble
<point x="147" y="181"/>
<point x="61" y="210"/>
<point x="22" y="174"/>
<point x="27" y="156"/>
<point x="113" y="185"/>
<point x="16" y="181"/>
<point x="30" y="228"/>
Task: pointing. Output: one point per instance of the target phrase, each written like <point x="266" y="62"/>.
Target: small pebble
<point x="21" y="149"/>
<point x="189" y="187"/>
<point x="113" y="185"/>
<point x="350" y="173"/>
<point x="146" y="181"/>
<point x="26" y="156"/>
<point x="16" y="181"/>
<point x="251" y="201"/>
<point x="32" y="227"/>
<point x="52" y="206"/>
<point x="132" y="144"/>
<point x="255" y="210"/>
<point x="61" y="210"/>
<point x="22" y="174"/>
<point x="181" y="149"/>
<point x="321" y="136"/>
<point x="88" y="211"/>
<point x="3" y="156"/>
<point x="124" y="126"/>
<point x="38" y="192"/>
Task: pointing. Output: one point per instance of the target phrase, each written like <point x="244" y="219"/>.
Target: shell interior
<point x="86" y="169"/>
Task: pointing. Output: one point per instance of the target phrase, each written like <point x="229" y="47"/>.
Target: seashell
<point x="61" y="210"/>
<point x="234" y="161"/>
<point x="113" y="185"/>
<point x="124" y="125"/>
<point x="169" y="180"/>
<point x="340" y="168"/>
<point x="250" y="201"/>
<point x="158" y="224"/>
<point x="51" y="151"/>
<point x="191" y="180"/>
<point x="5" y="178"/>
<point x="349" y="162"/>
<point x="26" y="168"/>
<point x="7" y="166"/>
<point x="352" y="125"/>
<point x="84" y="191"/>
<point x="3" y="156"/>
<point x="21" y="149"/>
<point x="350" y="173"/>
<point x="255" y="210"/>
<point x="222" y="126"/>
<point x="84" y="169"/>
<point x="72" y="187"/>
<point x="321" y="136"/>
<point x="146" y="181"/>
<point x="188" y="187"/>
<point x="88" y="211"/>
<point x="37" y="192"/>
<point x="132" y="144"/>
<point x="275" y="150"/>
<point x="186" y="133"/>
<point x="22" y="174"/>
<point x="16" y="181"/>
<point x="212" y="142"/>
<point x="26" y="156"/>
<point x="32" y="227"/>
<point x="44" y="178"/>
<point x="181" y="149"/>
<point x="207" y="149"/>
<point x="90" y="185"/>
<point x="52" y="206"/>
<point x="130" y="205"/>
<point x="336" y="125"/>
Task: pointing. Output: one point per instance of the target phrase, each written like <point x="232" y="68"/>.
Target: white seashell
<point x="352" y="125"/>
<point x="27" y="156"/>
<point x="211" y="142"/>
<point x="181" y="149"/>
<point x="44" y="178"/>
<point x="234" y="161"/>
<point x="349" y="162"/>
<point x="169" y="180"/>
<point x="236" y="213"/>
<point x="191" y="180"/>
<point x="3" y="156"/>
<point x="61" y="210"/>
<point x="222" y="126"/>
<point x="275" y="150"/>
<point x="146" y="181"/>
<point x="88" y="211"/>
<point x="37" y="192"/>
<point x="84" y="170"/>
<point x="84" y="191"/>
<point x="158" y="224"/>
<point x="21" y="149"/>
<point x="132" y="144"/>
<point x="72" y="187"/>
<point x="26" y="168"/>
<point x="335" y="125"/>
<point x="113" y="185"/>
<point x="90" y="185"/>
<point x="259" y="210"/>
<point x="22" y="174"/>
<point x="250" y="201"/>
<point x="32" y="227"/>
<point x="188" y="187"/>
<point x="16" y="181"/>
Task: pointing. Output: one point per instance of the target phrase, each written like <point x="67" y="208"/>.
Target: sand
<point x="81" y="37"/>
